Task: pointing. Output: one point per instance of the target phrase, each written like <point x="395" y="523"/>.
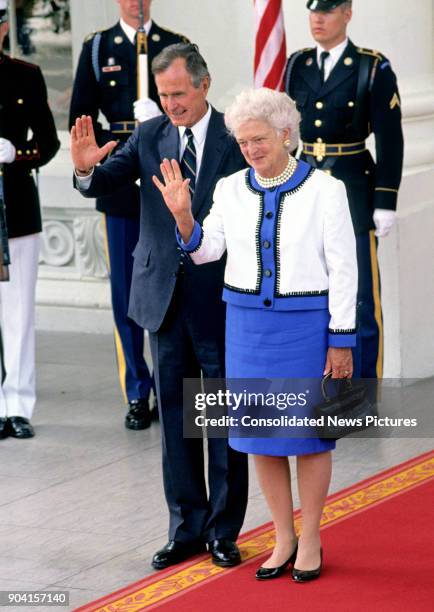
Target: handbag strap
<point x="327" y="377"/>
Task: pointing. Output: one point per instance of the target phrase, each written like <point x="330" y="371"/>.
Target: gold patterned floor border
<point x="337" y="509"/>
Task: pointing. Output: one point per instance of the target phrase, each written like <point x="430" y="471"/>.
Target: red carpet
<point x="378" y="540"/>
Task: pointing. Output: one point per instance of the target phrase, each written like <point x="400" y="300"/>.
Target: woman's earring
<point x="287" y="143"/>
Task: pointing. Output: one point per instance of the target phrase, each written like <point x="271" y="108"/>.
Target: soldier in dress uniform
<point x="106" y="82"/>
<point x="23" y="109"/>
<point x="344" y="93"/>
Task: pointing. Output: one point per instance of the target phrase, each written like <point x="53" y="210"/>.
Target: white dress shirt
<point x="199" y="134"/>
<point x="333" y="58"/>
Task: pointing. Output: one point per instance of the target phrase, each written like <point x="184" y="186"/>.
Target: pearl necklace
<point x="275" y="181"/>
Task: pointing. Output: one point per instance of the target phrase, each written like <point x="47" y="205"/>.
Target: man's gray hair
<point x="274" y="107"/>
<point x="194" y="62"/>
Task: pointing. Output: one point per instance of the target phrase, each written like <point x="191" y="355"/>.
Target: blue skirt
<point x="276" y="344"/>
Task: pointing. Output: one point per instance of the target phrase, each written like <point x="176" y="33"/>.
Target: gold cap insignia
<point x="156" y="37"/>
<point x="348" y="61"/>
<point x="394" y="101"/>
<point x="118" y="40"/>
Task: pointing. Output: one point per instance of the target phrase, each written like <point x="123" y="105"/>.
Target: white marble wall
<point x="72" y="292"/>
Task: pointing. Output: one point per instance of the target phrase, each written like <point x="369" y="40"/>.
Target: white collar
<point x="131" y="32"/>
<point x="199" y="129"/>
<point x="335" y="53"/>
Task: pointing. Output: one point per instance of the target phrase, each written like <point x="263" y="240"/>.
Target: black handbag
<point x="347" y="411"/>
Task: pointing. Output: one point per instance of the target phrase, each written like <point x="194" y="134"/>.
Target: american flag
<point x="270" y="49"/>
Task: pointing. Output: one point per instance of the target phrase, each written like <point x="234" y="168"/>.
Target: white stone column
<point x="72" y="290"/>
<point x="403" y="32"/>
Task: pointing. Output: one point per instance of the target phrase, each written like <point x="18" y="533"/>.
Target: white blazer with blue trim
<point x="315" y="264"/>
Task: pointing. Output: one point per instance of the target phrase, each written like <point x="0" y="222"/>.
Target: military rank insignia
<point x="394" y="101"/>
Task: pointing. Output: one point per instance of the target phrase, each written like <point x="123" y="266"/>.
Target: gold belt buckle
<point x="319" y="150"/>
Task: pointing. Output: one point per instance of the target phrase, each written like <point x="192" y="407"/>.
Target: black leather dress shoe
<point x="307" y="575"/>
<point x="138" y="416"/>
<point x="224" y="552"/>
<point x="268" y="573"/>
<point x="176" y="552"/>
<point x="19" y="427"/>
<point x="3" y="428"/>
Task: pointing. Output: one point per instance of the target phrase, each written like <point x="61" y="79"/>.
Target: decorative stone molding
<point x="89" y="239"/>
<point x="57" y="244"/>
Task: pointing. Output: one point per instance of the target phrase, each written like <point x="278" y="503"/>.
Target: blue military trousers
<point x="122" y="234"/>
<point x="368" y="355"/>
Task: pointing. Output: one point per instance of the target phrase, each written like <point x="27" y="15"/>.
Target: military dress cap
<point x="324" y="5"/>
<point x="3" y="11"/>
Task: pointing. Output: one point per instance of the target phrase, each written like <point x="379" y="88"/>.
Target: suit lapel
<point x="347" y="64"/>
<point x="216" y="143"/>
<point x="309" y="71"/>
<point x="168" y="144"/>
<point x="155" y="40"/>
<point x="123" y="48"/>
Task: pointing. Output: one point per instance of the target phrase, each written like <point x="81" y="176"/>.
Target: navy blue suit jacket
<point x="157" y="255"/>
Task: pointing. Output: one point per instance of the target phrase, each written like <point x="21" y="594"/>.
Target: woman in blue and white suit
<point x="290" y="289"/>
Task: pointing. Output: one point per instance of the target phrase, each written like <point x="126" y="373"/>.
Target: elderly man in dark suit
<point x="179" y="303"/>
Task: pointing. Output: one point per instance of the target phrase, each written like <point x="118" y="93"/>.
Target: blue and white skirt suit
<point x="290" y="282"/>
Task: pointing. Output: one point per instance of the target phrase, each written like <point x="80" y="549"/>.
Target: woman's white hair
<point x="273" y="107"/>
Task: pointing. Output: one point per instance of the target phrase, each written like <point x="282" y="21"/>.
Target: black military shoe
<point x="19" y="427"/>
<point x="3" y="428"/>
<point x="176" y="552"/>
<point x="224" y="552"/>
<point x="138" y="416"/>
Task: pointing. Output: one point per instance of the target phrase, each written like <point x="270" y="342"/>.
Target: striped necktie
<point x="188" y="162"/>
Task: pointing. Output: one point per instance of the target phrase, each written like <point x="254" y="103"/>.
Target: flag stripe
<point x="274" y="78"/>
<point x="269" y="54"/>
<point x="270" y="44"/>
<point x="266" y="27"/>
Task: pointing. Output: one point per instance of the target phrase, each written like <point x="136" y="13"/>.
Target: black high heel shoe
<point x="307" y="575"/>
<point x="267" y="573"/>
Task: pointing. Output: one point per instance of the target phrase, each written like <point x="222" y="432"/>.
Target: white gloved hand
<point x="145" y="109"/>
<point x="8" y="152"/>
<point x="384" y="220"/>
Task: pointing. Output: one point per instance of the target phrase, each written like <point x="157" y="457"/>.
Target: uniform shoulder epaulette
<point x="371" y="52"/>
<point x="91" y="35"/>
<point x="178" y="34"/>
<point x="300" y="52"/>
<point x="305" y="50"/>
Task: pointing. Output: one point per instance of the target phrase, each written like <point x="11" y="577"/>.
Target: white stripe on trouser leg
<point x="17" y="320"/>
